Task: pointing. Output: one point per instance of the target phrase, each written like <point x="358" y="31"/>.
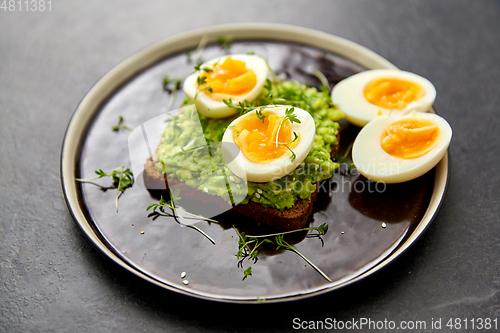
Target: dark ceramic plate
<point x="369" y="225"/>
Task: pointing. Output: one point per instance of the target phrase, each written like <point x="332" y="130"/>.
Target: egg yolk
<point x="410" y="138"/>
<point x="257" y="138"/>
<point x="393" y="93"/>
<point x="228" y="78"/>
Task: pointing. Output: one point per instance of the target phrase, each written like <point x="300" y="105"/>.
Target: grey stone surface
<point x="51" y="277"/>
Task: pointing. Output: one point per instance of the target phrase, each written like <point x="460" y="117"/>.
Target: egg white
<point x="348" y="95"/>
<point x="373" y="162"/>
<point x="217" y="109"/>
<point x="281" y="166"/>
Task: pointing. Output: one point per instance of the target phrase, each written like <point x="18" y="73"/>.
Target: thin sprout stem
<point x="273" y="74"/>
<point x="283" y="233"/>
<point x="189" y="224"/>
<point x="242" y="239"/>
<point x="127" y="127"/>
<point x="254" y="249"/>
<point x="86" y="180"/>
<point x="278" y="131"/>
<point x="199" y="217"/>
<point x="239" y="235"/>
<point x="173" y="97"/>
<point x="348" y="150"/>
<point x="118" y="189"/>
<point x="201" y="46"/>
<point x="310" y="263"/>
<point x="322" y="78"/>
<point x="92" y="179"/>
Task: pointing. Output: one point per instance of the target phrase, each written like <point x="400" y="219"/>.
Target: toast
<point x="288" y="219"/>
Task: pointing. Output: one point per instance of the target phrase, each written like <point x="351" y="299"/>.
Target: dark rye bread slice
<point x="288" y="219"/>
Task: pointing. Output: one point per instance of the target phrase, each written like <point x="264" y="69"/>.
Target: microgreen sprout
<point x="260" y="115"/>
<point x="343" y="160"/>
<point x="295" y="137"/>
<point x="239" y="129"/>
<point x="120" y="125"/>
<point x="246" y="106"/>
<point x="171" y="85"/>
<point x="225" y="42"/>
<point x="242" y="107"/>
<point x="322" y="78"/>
<point x="199" y="49"/>
<point x="122" y="179"/>
<point x="247" y="272"/>
<point x="322" y="230"/>
<point x="200" y="81"/>
<point x="282" y="243"/>
<point x="273" y="74"/>
<point x="248" y="245"/>
<point x="289" y="115"/>
<point x="269" y="87"/>
<point x="197" y="67"/>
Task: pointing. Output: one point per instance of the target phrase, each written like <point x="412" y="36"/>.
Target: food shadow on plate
<point x="231" y="219"/>
<point x="389" y="203"/>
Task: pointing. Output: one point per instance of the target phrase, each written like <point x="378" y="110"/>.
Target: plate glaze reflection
<point x="355" y="242"/>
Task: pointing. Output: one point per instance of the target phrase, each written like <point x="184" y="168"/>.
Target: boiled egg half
<point x="236" y="77"/>
<point x="366" y="95"/>
<point x="270" y="145"/>
<point x="394" y="149"/>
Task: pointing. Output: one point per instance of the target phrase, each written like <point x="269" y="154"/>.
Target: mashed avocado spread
<point x="180" y="155"/>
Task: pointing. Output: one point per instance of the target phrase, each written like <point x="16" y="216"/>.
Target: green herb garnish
<point x="199" y="62"/>
<point x="282" y="243"/>
<point x="244" y="249"/>
<point x="247" y="272"/>
<point x="171" y="85"/>
<point x="200" y="81"/>
<point x="291" y="116"/>
<point x="248" y="246"/>
<point x="295" y="137"/>
<point x="199" y="49"/>
<point x="293" y="119"/>
<point x="237" y="127"/>
<point x="122" y="179"/>
<point x="345" y="162"/>
<point x="121" y="125"/>
<point x="225" y="42"/>
<point x="322" y="78"/>
<point x="260" y="115"/>
<point x="170" y="204"/>
<point x="245" y="107"/>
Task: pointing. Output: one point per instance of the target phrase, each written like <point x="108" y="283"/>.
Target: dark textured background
<point x="52" y="279"/>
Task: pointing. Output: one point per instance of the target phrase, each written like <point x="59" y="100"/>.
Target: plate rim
<point x="148" y="56"/>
